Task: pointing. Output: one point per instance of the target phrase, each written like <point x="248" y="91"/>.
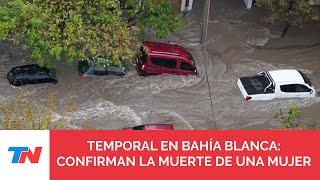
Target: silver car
<point x="85" y="70"/>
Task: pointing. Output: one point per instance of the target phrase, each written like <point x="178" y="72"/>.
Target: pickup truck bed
<point x="255" y="84"/>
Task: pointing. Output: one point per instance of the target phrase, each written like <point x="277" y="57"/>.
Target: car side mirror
<point x="311" y="92"/>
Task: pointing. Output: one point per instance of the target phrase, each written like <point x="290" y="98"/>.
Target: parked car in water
<point x="85" y="69"/>
<point x="158" y="58"/>
<point x="152" y="127"/>
<point x="31" y="74"/>
<point x="269" y="85"/>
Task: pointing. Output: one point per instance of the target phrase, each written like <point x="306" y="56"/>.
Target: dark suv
<point x="31" y="74"/>
<point x="158" y="58"/>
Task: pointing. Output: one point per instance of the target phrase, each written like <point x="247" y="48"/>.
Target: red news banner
<point x="184" y="154"/>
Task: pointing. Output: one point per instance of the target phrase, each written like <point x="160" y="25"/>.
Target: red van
<point x="158" y="58"/>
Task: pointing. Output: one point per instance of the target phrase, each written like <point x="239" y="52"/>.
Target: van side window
<point x="169" y="63"/>
<point x="294" y="88"/>
<point x="187" y="67"/>
<point x="157" y="61"/>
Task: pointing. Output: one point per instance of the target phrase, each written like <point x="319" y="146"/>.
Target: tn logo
<point x="21" y="153"/>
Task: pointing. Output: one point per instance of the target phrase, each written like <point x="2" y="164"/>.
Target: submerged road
<point x="210" y="100"/>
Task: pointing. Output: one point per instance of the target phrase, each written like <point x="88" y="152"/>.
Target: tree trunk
<point x="285" y="30"/>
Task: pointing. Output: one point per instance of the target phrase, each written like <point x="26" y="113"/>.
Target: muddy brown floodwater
<point x="238" y="45"/>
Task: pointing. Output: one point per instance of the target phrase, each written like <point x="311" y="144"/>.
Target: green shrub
<point x="291" y="119"/>
<point x="24" y="114"/>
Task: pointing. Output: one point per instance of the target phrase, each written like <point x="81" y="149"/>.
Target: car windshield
<point x="192" y="60"/>
<point x="83" y="66"/>
<point x="305" y="78"/>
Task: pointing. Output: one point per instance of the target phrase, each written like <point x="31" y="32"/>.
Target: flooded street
<point x="237" y="46"/>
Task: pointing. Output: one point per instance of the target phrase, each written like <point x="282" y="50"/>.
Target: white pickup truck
<point x="269" y="85"/>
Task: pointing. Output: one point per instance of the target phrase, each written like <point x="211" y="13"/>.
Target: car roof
<point x="27" y="67"/>
<point x="31" y="69"/>
<point x="167" y="49"/>
<point x="286" y="75"/>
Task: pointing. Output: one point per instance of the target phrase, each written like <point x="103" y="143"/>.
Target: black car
<point x="85" y="70"/>
<point x="31" y="74"/>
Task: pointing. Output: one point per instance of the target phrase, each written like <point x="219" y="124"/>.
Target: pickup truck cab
<point x="269" y="85"/>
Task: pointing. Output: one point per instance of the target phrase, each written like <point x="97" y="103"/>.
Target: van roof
<point x="286" y="75"/>
<point x="167" y="49"/>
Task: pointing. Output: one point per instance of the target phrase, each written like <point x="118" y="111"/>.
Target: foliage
<point x="290" y="12"/>
<point x="102" y="62"/>
<point x="155" y="15"/>
<point x="291" y="119"/>
<point x="23" y="113"/>
<point x="55" y="30"/>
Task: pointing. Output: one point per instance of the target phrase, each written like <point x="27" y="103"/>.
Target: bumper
<point x="140" y="71"/>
